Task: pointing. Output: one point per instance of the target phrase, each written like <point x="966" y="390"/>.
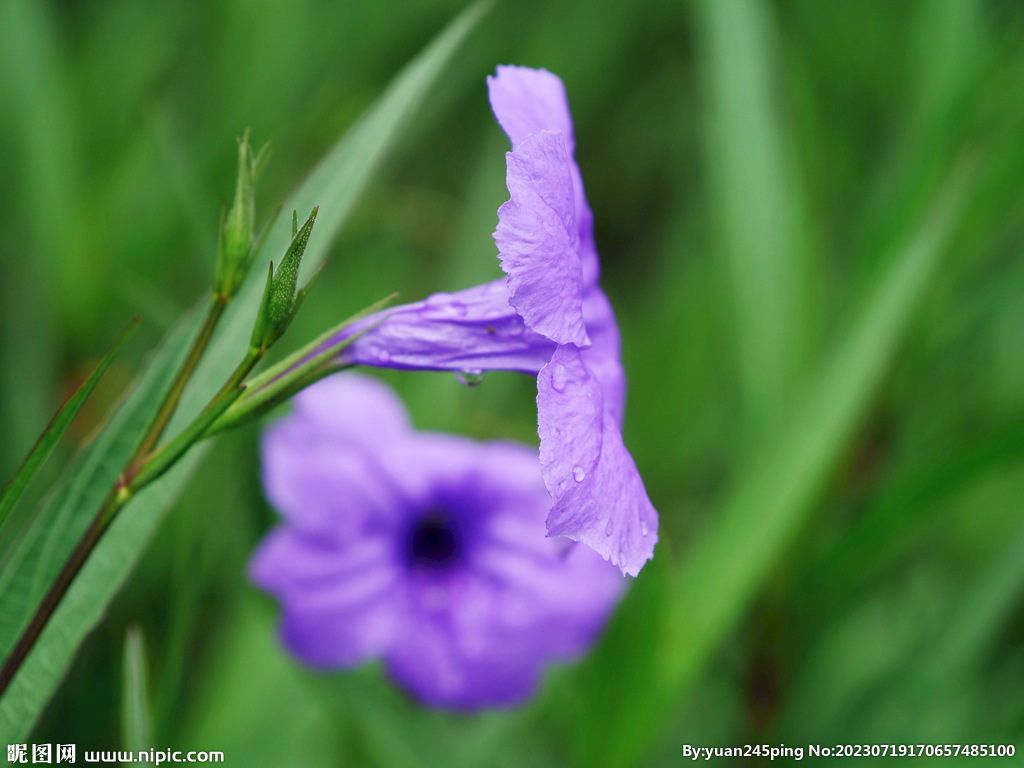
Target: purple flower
<point x="424" y="549"/>
<point x="549" y="318"/>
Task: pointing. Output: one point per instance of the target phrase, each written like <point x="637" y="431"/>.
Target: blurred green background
<point x="836" y="447"/>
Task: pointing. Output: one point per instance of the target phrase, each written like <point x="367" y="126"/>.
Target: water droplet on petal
<point x="609" y="528"/>
<point x="383" y="356"/>
<point x="643" y="528"/>
<point x="516" y="327"/>
<point x="469" y="378"/>
<point x="559" y="378"/>
<point x="578" y="473"/>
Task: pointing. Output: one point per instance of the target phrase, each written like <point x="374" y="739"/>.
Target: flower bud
<point x="281" y="300"/>
<point x="236" y="244"/>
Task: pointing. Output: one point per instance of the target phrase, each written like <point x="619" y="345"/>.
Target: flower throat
<point x="432" y="542"/>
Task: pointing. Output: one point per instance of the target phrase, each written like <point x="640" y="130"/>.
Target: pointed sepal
<point x="237" y="244"/>
<point x="282" y="297"/>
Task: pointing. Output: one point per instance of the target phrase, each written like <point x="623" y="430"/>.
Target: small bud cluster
<point x="281" y="298"/>
<point x="237" y="245"/>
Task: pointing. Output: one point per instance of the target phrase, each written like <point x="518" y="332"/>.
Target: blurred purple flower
<point x="424" y="549"/>
<point x="549" y="318"/>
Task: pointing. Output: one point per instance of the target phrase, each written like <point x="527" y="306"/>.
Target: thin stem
<point x="134" y="478"/>
<point x="170" y="403"/>
<point x="252" y="356"/>
<point x="116" y="499"/>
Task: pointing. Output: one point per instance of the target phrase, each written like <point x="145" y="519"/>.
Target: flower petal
<point x="538" y="242"/>
<point x="603" y="356"/>
<point x="474" y="329"/>
<point x="341" y="606"/>
<point x="431" y="660"/>
<point x="354" y="406"/>
<point x="599" y="497"/>
<point x="523" y="606"/>
<point x="323" y="484"/>
<point x="527" y="101"/>
<point x="570" y="421"/>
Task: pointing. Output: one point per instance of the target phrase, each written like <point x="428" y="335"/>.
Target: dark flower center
<point x="433" y="543"/>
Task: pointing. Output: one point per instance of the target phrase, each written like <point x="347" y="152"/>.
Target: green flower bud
<point x="237" y="245"/>
<point x="281" y="300"/>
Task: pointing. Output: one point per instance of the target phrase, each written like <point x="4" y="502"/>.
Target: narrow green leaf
<point x="55" y="430"/>
<point x="753" y="198"/>
<point x="261" y="718"/>
<point x="61" y="522"/>
<point x="775" y="497"/>
<point x="136" y="717"/>
<point x="334" y="185"/>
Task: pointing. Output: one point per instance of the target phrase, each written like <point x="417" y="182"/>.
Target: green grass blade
<point x="55" y="430"/>
<point x="772" y="501"/>
<point x="335" y="185"/>
<point x="54" y="533"/>
<point x="40" y="131"/>
<point x="775" y="497"/>
<point x="752" y="198"/>
<point x="136" y="717"/>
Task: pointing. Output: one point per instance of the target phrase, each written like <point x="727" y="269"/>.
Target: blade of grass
<point x="33" y="108"/>
<point x="775" y="496"/>
<point x="136" y="718"/>
<point x="335" y="185"/>
<point x="753" y="199"/>
<point x="771" y="502"/>
<point x="55" y="430"/>
<point x="35" y="75"/>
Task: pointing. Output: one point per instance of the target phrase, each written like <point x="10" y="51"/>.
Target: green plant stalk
<point x="131" y="481"/>
<point x="144" y="466"/>
<point x="252" y="358"/>
<point x="271" y="397"/>
<point x="170" y="404"/>
<point x="336" y="182"/>
<point x="273" y="386"/>
<point x="92" y="535"/>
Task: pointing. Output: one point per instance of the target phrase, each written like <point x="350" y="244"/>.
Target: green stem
<point x="163" y="416"/>
<point x="139" y="473"/>
<point x="131" y="481"/>
<point x="252" y="356"/>
<point x="116" y="499"/>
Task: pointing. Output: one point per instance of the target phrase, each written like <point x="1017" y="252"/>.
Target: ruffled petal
<point x="538" y="243"/>
<point x="603" y="356"/>
<point x="341" y="605"/>
<point x="527" y="101"/>
<point x="570" y="421"/>
<point x="523" y="606"/>
<point x="354" y="407"/>
<point x="599" y="497"/>
<point x="471" y="330"/>
<point x="323" y="484"/>
<point x="433" y="662"/>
